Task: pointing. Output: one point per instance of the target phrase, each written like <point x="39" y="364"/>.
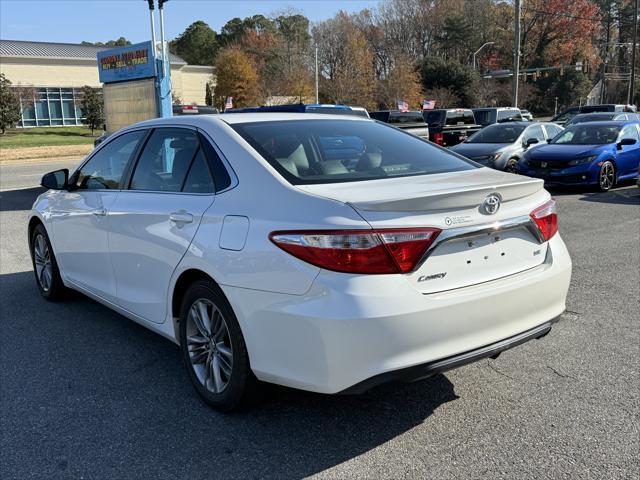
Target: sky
<point x="72" y="21"/>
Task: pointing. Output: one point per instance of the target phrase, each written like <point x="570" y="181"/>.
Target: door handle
<point x="181" y="217"/>
<point x="99" y="212"/>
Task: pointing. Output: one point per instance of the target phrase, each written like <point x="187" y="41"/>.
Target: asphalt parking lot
<point x="86" y="393"/>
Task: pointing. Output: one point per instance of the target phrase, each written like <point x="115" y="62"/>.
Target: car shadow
<point x="101" y="396"/>
<point x="21" y="199"/>
<point x="623" y="196"/>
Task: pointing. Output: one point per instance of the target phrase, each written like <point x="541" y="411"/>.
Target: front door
<point x="80" y="217"/>
<point x="156" y="218"/>
<point x="629" y="155"/>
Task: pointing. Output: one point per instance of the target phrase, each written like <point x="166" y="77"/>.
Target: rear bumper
<point x="418" y="372"/>
<point x="348" y="329"/>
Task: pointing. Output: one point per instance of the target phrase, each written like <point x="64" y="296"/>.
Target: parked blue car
<point x="596" y="153"/>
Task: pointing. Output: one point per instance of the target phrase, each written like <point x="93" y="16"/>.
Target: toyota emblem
<point x="491" y="204"/>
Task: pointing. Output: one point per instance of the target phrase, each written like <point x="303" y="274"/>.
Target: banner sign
<point x="126" y="63"/>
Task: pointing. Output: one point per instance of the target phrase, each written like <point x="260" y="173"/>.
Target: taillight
<point x="359" y="251"/>
<point x="438" y="138"/>
<point x="546" y="218"/>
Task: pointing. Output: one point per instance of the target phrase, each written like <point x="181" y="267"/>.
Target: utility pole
<point x="633" y="56"/>
<point x="516" y="52"/>
<point x="606" y="56"/>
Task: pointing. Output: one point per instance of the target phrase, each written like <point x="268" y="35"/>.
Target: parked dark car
<point x="411" y="121"/>
<point x="302" y="108"/>
<point x="449" y="127"/>
<point x="601" y="117"/>
<point x="489" y="116"/>
<point x="567" y="115"/>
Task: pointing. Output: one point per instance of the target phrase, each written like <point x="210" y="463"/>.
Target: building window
<point x="53" y="106"/>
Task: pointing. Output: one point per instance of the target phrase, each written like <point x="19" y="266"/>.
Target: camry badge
<point x="491" y="204"/>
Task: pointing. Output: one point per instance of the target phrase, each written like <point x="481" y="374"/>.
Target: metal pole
<point x="153" y="28"/>
<point x="516" y="53"/>
<point x="555" y="109"/>
<point x="161" y="15"/>
<point x="606" y="56"/>
<point x="478" y="51"/>
<point x="632" y="80"/>
<point x="317" y="95"/>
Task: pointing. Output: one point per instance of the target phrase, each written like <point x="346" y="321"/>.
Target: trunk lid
<point x="474" y="246"/>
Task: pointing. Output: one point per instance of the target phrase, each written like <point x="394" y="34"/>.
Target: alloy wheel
<point x="42" y="259"/>
<point x="209" y="345"/>
<point x="607" y="176"/>
<point x="511" y="166"/>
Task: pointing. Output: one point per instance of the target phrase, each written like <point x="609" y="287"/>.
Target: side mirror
<point x="530" y="141"/>
<point x="626" y="141"/>
<point x="56" y="180"/>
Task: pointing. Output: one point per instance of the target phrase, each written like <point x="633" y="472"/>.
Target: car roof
<point x="608" y="123"/>
<point x="249" y="117"/>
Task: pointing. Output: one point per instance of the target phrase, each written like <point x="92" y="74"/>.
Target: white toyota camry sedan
<point x="324" y="253"/>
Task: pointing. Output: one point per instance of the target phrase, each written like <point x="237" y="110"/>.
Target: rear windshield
<point x="433" y="118"/>
<point x="592" y="118"/>
<point x="324" y="151"/>
<point x="588" y="134"/>
<point x="408" y="117"/>
<point x="497" y="133"/>
<point x="460" y="118"/>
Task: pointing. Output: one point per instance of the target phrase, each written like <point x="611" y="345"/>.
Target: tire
<point x="213" y="349"/>
<point x="511" y="166"/>
<point x="606" y="176"/>
<point x="45" y="266"/>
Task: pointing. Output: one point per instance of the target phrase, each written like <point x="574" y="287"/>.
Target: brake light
<point x="359" y="251"/>
<point x="546" y="218"/>
<point x="438" y="138"/>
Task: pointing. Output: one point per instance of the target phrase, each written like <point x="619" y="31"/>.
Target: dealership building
<point x="57" y="71"/>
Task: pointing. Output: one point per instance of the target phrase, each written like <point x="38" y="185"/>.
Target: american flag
<point x="428" y="104"/>
<point x="228" y="103"/>
<point x="403" y="106"/>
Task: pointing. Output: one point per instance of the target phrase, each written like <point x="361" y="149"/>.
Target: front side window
<point x="104" y="170"/>
<point x="322" y="151"/>
<point x="630" y="131"/>
<point x="588" y="134"/>
<point x="497" y="133"/>
<point x="534" y="131"/>
<point x="484" y="117"/>
<point x="165" y="160"/>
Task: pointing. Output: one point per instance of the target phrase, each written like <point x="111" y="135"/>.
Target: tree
<point x="444" y="97"/>
<point x="9" y="105"/>
<point x="570" y="86"/>
<point x="233" y="31"/>
<point x="120" y="42"/>
<point x="346" y="62"/>
<point x="461" y="79"/>
<point x="236" y="77"/>
<point x="197" y="45"/>
<point x="208" y="95"/>
<point x="403" y="82"/>
<point x="92" y="107"/>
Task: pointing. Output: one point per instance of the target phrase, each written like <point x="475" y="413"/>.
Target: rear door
<point x="155" y="219"/>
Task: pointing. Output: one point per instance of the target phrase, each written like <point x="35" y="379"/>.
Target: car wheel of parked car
<point x="45" y="266"/>
<point x="213" y="348"/>
<point x="512" y="165"/>
<point x="607" y="176"/>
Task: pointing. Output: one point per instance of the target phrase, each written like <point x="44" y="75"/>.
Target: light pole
<point x="478" y="51"/>
<point x="516" y="52"/>
<point x="317" y="95"/>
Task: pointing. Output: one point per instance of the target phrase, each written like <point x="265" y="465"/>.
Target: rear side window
<point x="165" y="160"/>
<point x="509" y="115"/>
<point x="484" y="117"/>
<point x="323" y="151"/>
<point x="199" y="178"/>
<point x="104" y="170"/>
